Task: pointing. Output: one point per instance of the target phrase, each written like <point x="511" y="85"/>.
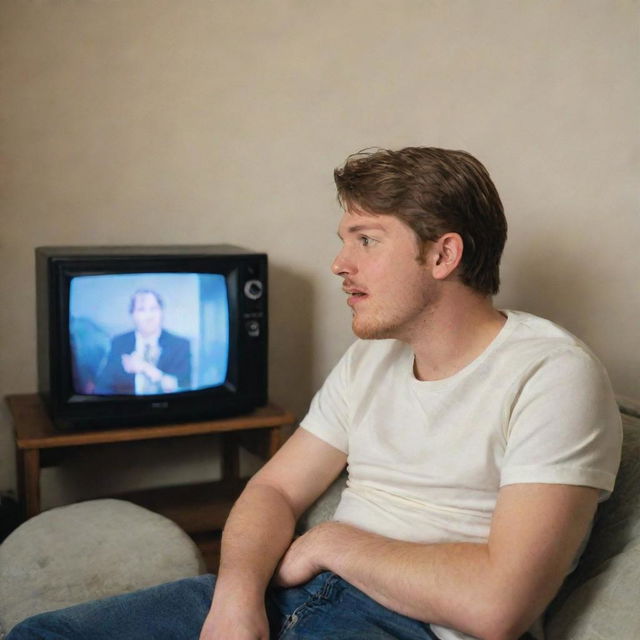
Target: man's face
<point x="390" y="292"/>
<point x="147" y="314"/>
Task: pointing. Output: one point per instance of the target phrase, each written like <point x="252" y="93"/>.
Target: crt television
<point x="145" y="335"/>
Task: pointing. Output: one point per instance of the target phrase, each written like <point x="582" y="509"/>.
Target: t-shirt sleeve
<point x="328" y="414"/>
<point x="565" y="427"/>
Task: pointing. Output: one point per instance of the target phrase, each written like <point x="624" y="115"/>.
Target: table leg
<point x="28" y="467"/>
<point x="276" y="438"/>
<point x="230" y="457"/>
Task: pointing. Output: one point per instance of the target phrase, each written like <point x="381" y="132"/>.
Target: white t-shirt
<point x="426" y="459"/>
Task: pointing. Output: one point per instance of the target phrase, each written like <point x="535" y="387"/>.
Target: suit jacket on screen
<point x="175" y="360"/>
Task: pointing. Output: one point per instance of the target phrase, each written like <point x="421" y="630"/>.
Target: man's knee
<point x="39" y="627"/>
<point x="183" y="602"/>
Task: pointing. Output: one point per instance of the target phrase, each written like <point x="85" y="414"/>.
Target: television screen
<point x="148" y="333"/>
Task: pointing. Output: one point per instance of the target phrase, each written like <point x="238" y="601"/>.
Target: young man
<point x="478" y="443"/>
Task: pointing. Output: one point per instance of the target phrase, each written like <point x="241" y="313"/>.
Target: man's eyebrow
<point x="359" y="228"/>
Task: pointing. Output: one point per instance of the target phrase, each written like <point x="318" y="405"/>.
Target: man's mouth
<point x="355" y="295"/>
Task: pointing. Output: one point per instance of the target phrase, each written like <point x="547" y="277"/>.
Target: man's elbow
<point x="500" y="608"/>
<point x="503" y="630"/>
<point x="503" y="619"/>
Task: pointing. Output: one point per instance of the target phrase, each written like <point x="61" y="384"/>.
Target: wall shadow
<point x="291" y="313"/>
<point x="545" y="279"/>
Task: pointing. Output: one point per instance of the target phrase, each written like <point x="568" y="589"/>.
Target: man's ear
<point x="446" y="254"/>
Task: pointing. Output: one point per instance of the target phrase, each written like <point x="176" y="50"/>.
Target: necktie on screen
<point x="149" y="355"/>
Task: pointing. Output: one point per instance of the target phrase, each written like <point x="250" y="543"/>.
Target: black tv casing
<point x="245" y="387"/>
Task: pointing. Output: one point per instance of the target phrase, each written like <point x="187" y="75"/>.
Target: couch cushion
<point x="86" y="551"/>
<point x="324" y="507"/>
<point x="600" y="599"/>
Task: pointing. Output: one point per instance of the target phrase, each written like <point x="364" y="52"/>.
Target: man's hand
<point x="133" y="362"/>
<point x="303" y="559"/>
<point x="226" y="624"/>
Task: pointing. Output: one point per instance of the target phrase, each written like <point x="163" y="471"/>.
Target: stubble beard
<point x="401" y="327"/>
<point x="374" y="330"/>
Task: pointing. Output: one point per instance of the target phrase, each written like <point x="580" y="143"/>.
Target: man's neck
<point x="457" y="330"/>
<point x="148" y="338"/>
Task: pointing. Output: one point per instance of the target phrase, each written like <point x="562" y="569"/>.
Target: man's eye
<point x="365" y="241"/>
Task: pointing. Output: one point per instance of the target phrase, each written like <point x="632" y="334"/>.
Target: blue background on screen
<point x="195" y="307"/>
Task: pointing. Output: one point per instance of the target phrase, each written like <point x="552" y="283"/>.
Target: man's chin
<point x="366" y="331"/>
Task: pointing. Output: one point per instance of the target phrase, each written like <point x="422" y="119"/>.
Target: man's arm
<point x="259" y="530"/>
<point x="492" y="591"/>
<point x="112" y="378"/>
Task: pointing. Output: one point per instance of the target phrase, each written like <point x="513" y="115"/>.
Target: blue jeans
<point x="326" y="607"/>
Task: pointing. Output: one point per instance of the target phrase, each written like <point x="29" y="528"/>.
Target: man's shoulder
<point x="535" y="343"/>
<point x="168" y="338"/>
<point x="124" y="340"/>
<point x="532" y="334"/>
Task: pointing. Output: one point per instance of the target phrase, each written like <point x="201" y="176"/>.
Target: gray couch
<point x="103" y="547"/>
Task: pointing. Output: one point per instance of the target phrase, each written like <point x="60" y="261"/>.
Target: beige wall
<point x="157" y="121"/>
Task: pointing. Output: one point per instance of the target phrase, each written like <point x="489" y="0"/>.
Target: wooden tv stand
<point x="196" y="508"/>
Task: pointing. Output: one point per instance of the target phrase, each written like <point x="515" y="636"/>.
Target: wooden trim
<point x="34" y="428"/>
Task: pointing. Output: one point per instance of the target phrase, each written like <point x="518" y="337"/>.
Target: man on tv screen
<point x="477" y="443"/>
<point x="149" y="359"/>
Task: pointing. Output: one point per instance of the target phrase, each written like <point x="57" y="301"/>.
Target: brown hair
<point x="433" y="191"/>
<point x="144" y="292"/>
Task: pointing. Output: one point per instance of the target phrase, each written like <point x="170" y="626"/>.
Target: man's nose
<point x="342" y="264"/>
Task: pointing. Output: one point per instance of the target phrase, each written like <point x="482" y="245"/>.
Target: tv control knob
<point x="253" y="289"/>
<point x="253" y="328"/>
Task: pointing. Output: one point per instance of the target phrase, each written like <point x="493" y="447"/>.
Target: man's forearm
<point x="454" y="584"/>
<point x="258" y="531"/>
<point x="446" y="584"/>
